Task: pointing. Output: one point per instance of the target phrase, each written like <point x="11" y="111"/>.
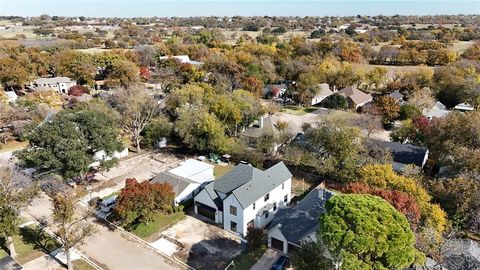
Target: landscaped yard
<point x="246" y="260"/>
<point x="159" y="223"/>
<point x="31" y="243"/>
<point x="296" y="110"/>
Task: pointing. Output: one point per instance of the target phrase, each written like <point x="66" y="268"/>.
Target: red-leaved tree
<point x="403" y="202"/>
<point x="139" y="201"/>
<point x="78" y="90"/>
<point x="145" y="73"/>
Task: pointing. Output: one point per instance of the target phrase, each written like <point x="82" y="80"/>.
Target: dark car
<point x="281" y="263"/>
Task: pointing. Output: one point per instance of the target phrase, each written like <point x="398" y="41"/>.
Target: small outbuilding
<point x="186" y="179"/>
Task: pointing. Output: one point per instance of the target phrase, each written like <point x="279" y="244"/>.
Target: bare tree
<point x="16" y="192"/>
<point x="136" y="109"/>
<point x="73" y="227"/>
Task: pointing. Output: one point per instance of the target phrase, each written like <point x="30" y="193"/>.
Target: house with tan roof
<point x="355" y="97"/>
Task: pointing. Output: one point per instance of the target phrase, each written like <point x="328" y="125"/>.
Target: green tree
<point x="376" y="76"/>
<point x="159" y="127"/>
<point x="367" y="233"/>
<point x="12" y="74"/>
<point x="312" y="255"/>
<point x="67" y="143"/>
<point x="335" y="101"/>
<point x="409" y="111"/>
<point x="200" y="130"/>
<point x="340" y="148"/>
<point x="57" y="146"/>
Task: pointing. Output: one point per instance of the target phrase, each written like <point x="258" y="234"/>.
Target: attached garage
<point x="206" y="211"/>
<point x="276" y="244"/>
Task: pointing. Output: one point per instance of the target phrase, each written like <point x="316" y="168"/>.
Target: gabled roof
<point x="257" y="131"/>
<point x="216" y="199"/>
<point x="438" y="110"/>
<point x="53" y="80"/>
<point x="178" y="183"/>
<point x="302" y="220"/>
<point x="248" y="184"/>
<point x="357" y="96"/>
<point x="397" y="95"/>
<point x="8" y="263"/>
<point x="464" y="107"/>
<point x="402" y="153"/>
<point x="324" y="91"/>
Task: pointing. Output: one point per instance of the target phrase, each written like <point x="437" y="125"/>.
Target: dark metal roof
<point x="298" y="222"/>
<point x="248" y="184"/>
<point x="178" y="183"/>
<point x="402" y="153"/>
<point x="8" y="263"/>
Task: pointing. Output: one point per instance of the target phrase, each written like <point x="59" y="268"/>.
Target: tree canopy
<point x="366" y="232"/>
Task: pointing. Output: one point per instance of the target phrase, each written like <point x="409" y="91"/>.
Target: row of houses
<point x="355" y="97"/>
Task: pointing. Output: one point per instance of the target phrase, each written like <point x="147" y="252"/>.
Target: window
<point x="266" y="197"/>
<point x="283" y="185"/>
<point x="233" y="226"/>
<point x="266" y="214"/>
<point x="274" y="206"/>
<point x="285" y="199"/>
<point x="233" y="210"/>
<point x="253" y="206"/>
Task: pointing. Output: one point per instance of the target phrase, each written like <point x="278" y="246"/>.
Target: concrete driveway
<point x="267" y="260"/>
<point x="205" y="246"/>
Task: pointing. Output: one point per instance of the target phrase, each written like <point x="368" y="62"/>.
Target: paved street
<point x="110" y="249"/>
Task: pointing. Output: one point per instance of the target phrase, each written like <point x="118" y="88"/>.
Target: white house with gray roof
<point x="245" y="196"/>
<point x="59" y="84"/>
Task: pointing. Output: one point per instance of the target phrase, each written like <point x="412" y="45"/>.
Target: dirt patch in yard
<point x="205" y="246"/>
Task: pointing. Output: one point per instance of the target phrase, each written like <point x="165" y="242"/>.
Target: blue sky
<point x="184" y="8"/>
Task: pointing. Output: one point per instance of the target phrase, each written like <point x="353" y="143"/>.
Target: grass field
<point x="159" y="223"/>
<point x="31" y="243"/>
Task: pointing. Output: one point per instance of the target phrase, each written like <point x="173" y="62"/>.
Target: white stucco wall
<point x="276" y="233"/>
<point x="204" y="198"/>
<point x="244" y="216"/>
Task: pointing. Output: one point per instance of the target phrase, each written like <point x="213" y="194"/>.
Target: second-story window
<point x="274" y="206"/>
<point x="266" y="197"/>
<point x="233" y="210"/>
<point x="283" y="185"/>
<point x="253" y="206"/>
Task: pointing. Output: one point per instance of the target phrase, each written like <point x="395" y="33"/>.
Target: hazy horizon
<point x="182" y="8"/>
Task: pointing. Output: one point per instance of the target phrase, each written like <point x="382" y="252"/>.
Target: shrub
<point x="335" y="101"/>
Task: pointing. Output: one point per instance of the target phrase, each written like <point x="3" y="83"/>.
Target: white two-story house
<point x="246" y="196"/>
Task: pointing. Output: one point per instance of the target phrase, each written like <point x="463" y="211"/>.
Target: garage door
<point x="206" y="211"/>
<point x="277" y="244"/>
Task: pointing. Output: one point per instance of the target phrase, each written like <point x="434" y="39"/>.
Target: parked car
<point x="281" y="263"/>
<point x="107" y="204"/>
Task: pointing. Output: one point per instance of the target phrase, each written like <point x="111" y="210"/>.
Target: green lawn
<point x="246" y="260"/>
<point x="31" y="243"/>
<point x="116" y="193"/>
<point x="159" y="223"/>
<point x="220" y="170"/>
<point x="82" y="265"/>
<point x="297" y="110"/>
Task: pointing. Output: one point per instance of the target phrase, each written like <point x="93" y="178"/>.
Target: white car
<point x="107" y="204"/>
